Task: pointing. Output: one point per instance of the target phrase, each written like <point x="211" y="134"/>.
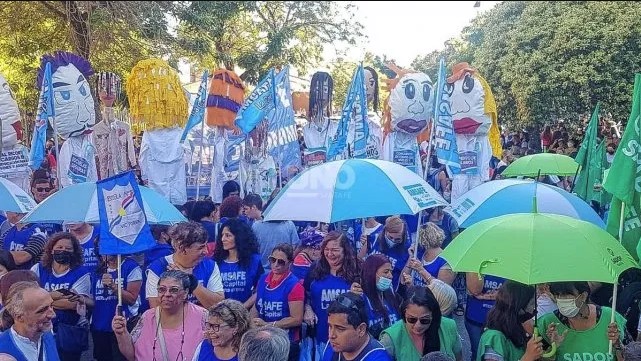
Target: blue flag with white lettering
<point x="352" y="109"/>
<point x="123" y="223"/>
<point x="259" y="103"/>
<point x="46" y="113"/>
<point x="444" y="137"/>
<point x="282" y="140"/>
<point x="197" y="114"/>
<point x="361" y="127"/>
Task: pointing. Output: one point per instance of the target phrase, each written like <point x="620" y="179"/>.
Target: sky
<point x="404" y="30"/>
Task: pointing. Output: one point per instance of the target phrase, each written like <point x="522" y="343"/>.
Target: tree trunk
<point x="80" y="29"/>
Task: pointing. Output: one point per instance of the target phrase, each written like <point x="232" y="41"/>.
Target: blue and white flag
<point x="444" y="137"/>
<point x="352" y="109"/>
<point x="46" y="113"/>
<point x="233" y="151"/>
<point x="198" y="111"/>
<point x="259" y="103"/>
<point x="123" y="223"/>
<point x="282" y="139"/>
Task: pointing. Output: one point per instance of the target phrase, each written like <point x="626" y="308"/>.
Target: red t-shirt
<point x="297" y="293"/>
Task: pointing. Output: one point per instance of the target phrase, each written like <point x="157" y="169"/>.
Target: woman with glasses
<point x="170" y="331"/>
<point x="422" y="329"/>
<point x="238" y="260"/>
<point x="227" y="323"/>
<point x="62" y="274"/>
<point x="337" y="270"/>
<point x="280" y="295"/>
<point x="189" y="240"/>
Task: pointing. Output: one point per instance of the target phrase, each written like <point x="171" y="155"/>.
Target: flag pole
<point x="614" y="289"/>
<point x="55" y="140"/>
<point x="200" y="158"/>
<point x="119" y="281"/>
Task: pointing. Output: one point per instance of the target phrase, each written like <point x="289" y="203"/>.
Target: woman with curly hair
<point x="226" y="324"/>
<point x="62" y="274"/>
<point x="238" y="260"/>
<point x="333" y="275"/>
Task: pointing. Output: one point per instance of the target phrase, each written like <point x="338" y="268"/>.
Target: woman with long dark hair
<point x="504" y="337"/>
<point x="422" y="329"/>
<point x="333" y="275"/>
<point x="238" y="260"/>
<point x="380" y="299"/>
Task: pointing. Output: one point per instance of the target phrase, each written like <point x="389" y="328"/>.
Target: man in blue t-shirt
<point x="349" y="338"/>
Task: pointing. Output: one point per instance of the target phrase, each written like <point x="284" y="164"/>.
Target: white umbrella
<point x="14" y="199"/>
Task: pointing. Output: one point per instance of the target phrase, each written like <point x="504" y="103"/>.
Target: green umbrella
<point x="542" y="164"/>
<point x="534" y="248"/>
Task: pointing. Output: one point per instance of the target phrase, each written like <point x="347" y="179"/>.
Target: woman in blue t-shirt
<point x="393" y="241"/>
<point x="105" y="291"/>
<point x="381" y="301"/>
<point x="333" y="275"/>
<point x="62" y="274"/>
<point x="430" y="265"/>
<point x="480" y="300"/>
<point x="238" y="260"/>
<point x="226" y="324"/>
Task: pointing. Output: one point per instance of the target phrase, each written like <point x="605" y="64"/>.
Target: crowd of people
<point x="213" y="287"/>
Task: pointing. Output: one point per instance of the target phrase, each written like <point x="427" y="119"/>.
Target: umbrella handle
<point x="484" y="264"/>
<point x="552" y="350"/>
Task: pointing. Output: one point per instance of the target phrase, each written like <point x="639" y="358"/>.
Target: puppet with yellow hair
<point x="474" y="118"/>
<point x="158" y="106"/>
<point x="407" y="112"/>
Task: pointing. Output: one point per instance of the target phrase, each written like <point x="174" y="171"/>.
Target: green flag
<point x="588" y="160"/>
<point x="624" y="179"/>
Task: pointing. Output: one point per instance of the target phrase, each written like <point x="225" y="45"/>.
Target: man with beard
<point x="30" y="337"/>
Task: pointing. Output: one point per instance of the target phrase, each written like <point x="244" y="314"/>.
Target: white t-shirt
<point x="77" y="160"/>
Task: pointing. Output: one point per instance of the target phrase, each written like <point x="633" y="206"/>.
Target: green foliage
<point x="258" y="35"/>
<point x="552" y="60"/>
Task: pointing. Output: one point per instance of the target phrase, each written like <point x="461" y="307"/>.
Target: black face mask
<point x="62" y="257"/>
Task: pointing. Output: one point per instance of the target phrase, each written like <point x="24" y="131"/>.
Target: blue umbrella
<point x="352" y="189"/>
<point x="13" y="198"/>
<point x="79" y="203"/>
<point x="502" y="197"/>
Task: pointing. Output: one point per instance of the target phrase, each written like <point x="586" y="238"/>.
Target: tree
<point x="113" y="35"/>
<point x="258" y="35"/>
<point x="553" y="60"/>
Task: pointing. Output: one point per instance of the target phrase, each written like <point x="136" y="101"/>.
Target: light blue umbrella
<point x="352" y="189"/>
<point x="79" y="203"/>
<point x="509" y="196"/>
<point x="14" y="199"/>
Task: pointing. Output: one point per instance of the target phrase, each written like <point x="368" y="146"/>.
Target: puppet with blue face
<point x="75" y="115"/>
<point x="14" y="157"/>
<point x="408" y="111"/>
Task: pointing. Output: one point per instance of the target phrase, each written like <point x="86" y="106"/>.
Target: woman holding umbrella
<point x="505" y="338"/>
<point x="580" y="328"/>
<point x="393" y="241"/>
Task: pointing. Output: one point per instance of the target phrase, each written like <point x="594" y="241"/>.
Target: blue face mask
<point x="383" y="284"/>
<point x="390" y="242"/>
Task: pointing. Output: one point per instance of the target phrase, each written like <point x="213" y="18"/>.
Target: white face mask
<point x="568" y="307"/>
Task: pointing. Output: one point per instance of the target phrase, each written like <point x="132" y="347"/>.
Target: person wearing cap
<point x="307" y="253"/>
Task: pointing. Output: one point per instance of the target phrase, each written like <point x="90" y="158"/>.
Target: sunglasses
<point x="172" y="290"/>
<point x="280" y="262"/>
<point x="347" y="303"/>
<point x="43" y="189"/>
<point x="424" y="321"/>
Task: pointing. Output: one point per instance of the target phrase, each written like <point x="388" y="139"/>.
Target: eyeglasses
<point x="281" y="262"/>
<point x="172" y="290"/>
<point x="43" y="189"/>
<point x="423" y="320"/>
<point x="214" y="326"/>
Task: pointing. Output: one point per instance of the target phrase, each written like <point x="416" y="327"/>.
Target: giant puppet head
<point x="72" y="99"/>
<point x="156" y="98"/>
<point x="371" y="87"/>
<point x="473" y="106"/>
<point x="321" y="88"/>
<point x="9" y="116"/>
<point x="411" y="101"/>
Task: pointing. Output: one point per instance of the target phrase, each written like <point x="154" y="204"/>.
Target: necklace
<point x="180" y="355"/>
